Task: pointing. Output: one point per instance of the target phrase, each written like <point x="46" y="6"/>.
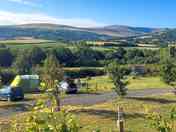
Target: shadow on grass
<point x="108" y="114"/>
<point x="16" y="107"/>
<point x="87" y="92"/>
<point x="153" y="100"/>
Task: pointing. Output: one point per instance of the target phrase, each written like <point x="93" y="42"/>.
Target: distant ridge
<point x="70" y="33"/>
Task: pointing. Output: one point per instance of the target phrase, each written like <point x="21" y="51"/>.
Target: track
<point x="81" y="99"/>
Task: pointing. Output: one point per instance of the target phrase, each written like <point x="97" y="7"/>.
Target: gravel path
<point x="87" y="99"/>
<point x="81" y="99"/>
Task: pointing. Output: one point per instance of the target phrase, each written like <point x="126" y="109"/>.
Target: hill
<point x="11" y="32"/>
<point x="123" y="31"/>
<point x="69" y="33"/>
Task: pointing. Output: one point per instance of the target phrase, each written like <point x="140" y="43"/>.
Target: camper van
<point x="20" y="85"/>
<point x="28" y="83"/>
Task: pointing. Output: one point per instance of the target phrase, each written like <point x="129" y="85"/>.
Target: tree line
<point x="76" y="57"/>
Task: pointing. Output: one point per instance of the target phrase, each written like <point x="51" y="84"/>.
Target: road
<point x="81" y="99"/>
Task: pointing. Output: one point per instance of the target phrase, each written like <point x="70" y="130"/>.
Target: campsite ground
<point x="103" y="115"/>
<point x="94" y="110"/>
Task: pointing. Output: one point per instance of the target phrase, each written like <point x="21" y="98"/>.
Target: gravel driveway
<point x="81" y="99"/>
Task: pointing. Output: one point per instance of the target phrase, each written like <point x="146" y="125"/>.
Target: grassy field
<point x="104" y="84"/>
<point x="103" y="116"/>
<point x="25" y="41"/>
<point x="25" y="44"/>
<point x="28" y="43"/>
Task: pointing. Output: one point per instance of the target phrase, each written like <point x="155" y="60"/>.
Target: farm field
<point x="25" y="41"/>
<point x="29" y="43"/>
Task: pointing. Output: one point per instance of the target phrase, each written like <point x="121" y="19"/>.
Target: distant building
<point x="138" y="70"/>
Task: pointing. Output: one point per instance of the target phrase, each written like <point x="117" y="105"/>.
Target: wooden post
<point x="120" y="120"/>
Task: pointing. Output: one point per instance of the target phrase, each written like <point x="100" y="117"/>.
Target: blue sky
<point x="86" y="13"/>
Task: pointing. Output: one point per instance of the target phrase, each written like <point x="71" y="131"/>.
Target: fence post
<point x="120" y="120"/>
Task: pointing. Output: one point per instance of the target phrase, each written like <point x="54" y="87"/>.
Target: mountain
<point x="69" y="33"/>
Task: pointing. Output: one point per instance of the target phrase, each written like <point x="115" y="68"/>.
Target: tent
<point x="29" y="83"/>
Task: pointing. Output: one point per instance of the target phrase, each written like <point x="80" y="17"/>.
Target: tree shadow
<point x="85" y="93"/>
<point x="17" y="107"/>
<point x="153" y="100"/>
<point x="108" y="114"/>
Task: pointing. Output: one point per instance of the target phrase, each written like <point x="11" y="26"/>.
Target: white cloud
<point x="25" y="2"/>
<point x="11" y="18"/>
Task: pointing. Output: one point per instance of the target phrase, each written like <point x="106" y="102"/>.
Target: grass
<point x="146" y="83"/>
<point x="103" y="116"/>
<point x="42" y="45"/>
<point x="104" y="84"/>
<point x="27" y="41"/>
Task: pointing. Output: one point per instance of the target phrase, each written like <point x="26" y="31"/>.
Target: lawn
<point x="104" y="84"/>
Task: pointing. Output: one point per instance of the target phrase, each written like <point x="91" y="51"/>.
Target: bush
<point x="47" y="122"/>
<point x="7" y="76"/>
<point x="84" y="72"/>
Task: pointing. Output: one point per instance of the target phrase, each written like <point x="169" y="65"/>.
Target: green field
<point x="104" y="84"/>
<point x="23" y="44"/>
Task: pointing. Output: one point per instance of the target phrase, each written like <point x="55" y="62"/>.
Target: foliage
<point x="6" y="57"/>
<point x="84" y="72"/>
<point x="117" y="75"/>
<point x="36" y="55"/>
<point x="168" y="72"/>
<point x="52" y="74"/>
<point x="86" y="56"/>
<point x="64" y="55"/>
<point x="162" y="123"/>
<point x="23" y="63"/>
<point x="47" y="122"/>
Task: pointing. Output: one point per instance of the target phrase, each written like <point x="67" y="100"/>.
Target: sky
<point x="90" y="13"/>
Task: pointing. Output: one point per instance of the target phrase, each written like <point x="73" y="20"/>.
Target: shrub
<point x="47" y="122"/>
<point x="84" y="72"/>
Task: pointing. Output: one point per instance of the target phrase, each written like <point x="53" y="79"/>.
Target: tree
<point x="87" y="56"/>
<point x="52" y="74"/>
<point x="6" y="57"/>
<point x="65" y="56"/>
<point x="168" y="72"/>
<point x="23" y="64"/>
<point x="36" y="55"/>
<point x="117" y="75"/>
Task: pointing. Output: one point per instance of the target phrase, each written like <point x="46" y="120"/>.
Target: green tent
<point x="29" y="83"/>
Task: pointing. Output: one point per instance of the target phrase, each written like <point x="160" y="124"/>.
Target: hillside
<point x="123" y="31"/>
<point x="48" y="32"/>
<point x="69" y="33"/>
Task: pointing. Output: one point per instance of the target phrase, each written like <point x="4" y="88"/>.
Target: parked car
<point x="11" y="93"/>
<point x="68" y="87"/>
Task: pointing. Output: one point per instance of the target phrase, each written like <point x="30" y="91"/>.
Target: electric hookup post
<point x="120" y="119"/>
